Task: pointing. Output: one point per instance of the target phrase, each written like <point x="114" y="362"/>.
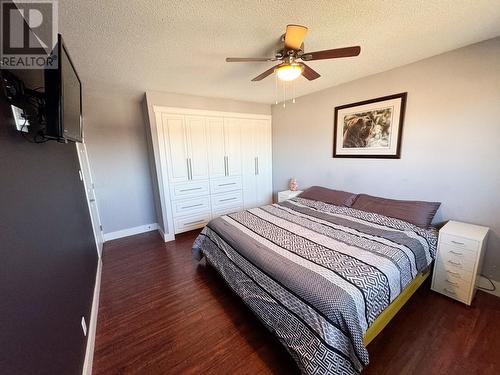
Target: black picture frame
<point x="394" y="154"/>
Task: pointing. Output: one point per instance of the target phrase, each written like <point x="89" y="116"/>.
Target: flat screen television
<point x="63" y="92"/>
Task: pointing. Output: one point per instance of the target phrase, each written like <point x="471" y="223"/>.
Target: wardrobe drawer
<point x="459" y="242"/>
<point x="221" y="185"/>
<point x="189" y="189"/>
<point x="458" y="258"/>
<point x="191" y="222"/>
<point x="227" y="210"/>
<point x="191" y="206"/>
<point x="231" y="199"/>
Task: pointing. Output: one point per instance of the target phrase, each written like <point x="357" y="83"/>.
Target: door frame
<point x="81" y="150"/>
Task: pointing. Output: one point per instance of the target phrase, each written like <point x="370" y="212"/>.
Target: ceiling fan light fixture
<point x="289" y="72"/>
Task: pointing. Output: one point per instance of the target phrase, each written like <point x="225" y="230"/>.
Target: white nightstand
<point x="287" y="194"/>
<point x="459" y="259"/>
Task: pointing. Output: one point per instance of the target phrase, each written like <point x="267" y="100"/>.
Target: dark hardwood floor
<point x="163" y="313"/>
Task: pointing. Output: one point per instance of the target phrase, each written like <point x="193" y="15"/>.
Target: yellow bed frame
<point x="383" y="319"/>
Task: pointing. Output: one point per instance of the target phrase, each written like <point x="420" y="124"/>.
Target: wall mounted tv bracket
<point x="28" y="106"/>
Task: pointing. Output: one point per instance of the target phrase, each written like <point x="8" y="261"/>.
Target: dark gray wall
<point x="48" y="258"/>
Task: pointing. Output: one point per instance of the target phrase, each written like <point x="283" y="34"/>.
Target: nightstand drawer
<point x="458" y="242"/>
<point x="453" y="286"/>
<point x="458" y="258"/>
<point x="287" y="194"/>
<point x="448" y="271"/>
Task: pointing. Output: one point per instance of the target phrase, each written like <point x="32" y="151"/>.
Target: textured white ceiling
<point x="180" y="46"/>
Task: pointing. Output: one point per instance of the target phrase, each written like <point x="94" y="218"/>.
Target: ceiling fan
<point x="290" y="50"/>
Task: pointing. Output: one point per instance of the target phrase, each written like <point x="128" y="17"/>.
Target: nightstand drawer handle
<point x="456" y="274"/>
<point x="449" y="291"/>
<point x="455" y="253"/>
<point x="455" y="263"/>
<point x="451" y="282"/>
<point x="457" y="243"/>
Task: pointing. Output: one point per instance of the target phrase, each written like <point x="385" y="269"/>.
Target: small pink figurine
<point x="292" y="185"/>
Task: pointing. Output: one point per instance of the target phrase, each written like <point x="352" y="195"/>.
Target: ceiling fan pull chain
<point x="276" y="89"/>
<point x="284" y="94"/>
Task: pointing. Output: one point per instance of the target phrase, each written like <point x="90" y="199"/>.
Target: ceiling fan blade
<point x="295" y="36"/>
<point x="331" y="53"/>
<point x="248" y="59"/>
<point x="268" y="72"/>
<point x="309" y="73"/>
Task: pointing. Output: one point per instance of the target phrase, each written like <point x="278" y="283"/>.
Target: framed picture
<point x="370" y="129"/>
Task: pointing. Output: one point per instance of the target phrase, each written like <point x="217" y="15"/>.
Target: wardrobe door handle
<point x="255" y="165"/>
<point x="190" y="170"/>
<point x="189" y="173"/>
<point x="258" y="172"/>
<point x="226" y="166"/>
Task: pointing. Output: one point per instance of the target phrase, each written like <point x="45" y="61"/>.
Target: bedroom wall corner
<point x="116" y="138"/>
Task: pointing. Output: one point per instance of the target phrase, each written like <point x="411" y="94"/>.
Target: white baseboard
<point x="484" y="283"/>
<point x="89" y="352"/>
<point x="130" y="232"/>
<point x="166" y="237"/>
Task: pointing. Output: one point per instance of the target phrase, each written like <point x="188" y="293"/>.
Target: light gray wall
<point x="155" y="98"/>
<point x="116" y="141"/>
<point x="451" y="139"/>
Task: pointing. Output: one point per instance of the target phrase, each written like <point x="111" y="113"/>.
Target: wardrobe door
<point x="217" y="154"/>
<point x="264" y="162"/>
<point x="197" y="147"/>
<point x="174" y="134"/>
<point x="249" y="163"/>
<point x="232" y="143"/>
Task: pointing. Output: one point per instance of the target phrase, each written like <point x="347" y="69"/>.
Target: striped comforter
<point x="317" y="275"/>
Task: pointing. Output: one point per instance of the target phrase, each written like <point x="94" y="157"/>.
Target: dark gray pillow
<point x="418" y="213"/>
<point x="336" y="197"/>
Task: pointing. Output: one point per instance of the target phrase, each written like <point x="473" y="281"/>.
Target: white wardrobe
<point x="209" y="164"/>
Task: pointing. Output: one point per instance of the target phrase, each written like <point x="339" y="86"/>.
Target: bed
<point x="325" y="279"/>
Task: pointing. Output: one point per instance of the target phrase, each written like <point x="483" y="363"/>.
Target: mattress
<point x="317" y="275"/>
